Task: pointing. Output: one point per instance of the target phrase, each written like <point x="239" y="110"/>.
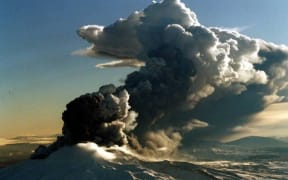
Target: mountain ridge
<point x="258" y="142"/>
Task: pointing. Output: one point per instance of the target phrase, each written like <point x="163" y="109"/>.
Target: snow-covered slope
<point x="88" y="161"/>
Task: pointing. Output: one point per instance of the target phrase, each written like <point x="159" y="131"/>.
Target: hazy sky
<point x="39" y="76"/>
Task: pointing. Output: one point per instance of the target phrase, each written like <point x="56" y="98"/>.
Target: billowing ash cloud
<point x="191" y="72"/>
<point x="101" y="117"/>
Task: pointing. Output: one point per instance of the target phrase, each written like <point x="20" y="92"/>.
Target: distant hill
<point x="258" y="142"/>
<point x="283" y="139"/>
<point x="14" y="153"/>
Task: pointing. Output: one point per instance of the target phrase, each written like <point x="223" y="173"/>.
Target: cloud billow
<point x="195" y="77"/>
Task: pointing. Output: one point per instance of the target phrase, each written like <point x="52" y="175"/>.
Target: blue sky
<point x="39" y="76"/>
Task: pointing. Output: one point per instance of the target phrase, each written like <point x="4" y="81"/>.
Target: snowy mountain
<point x="258" y="142"/>
<point x="88" y="161"/>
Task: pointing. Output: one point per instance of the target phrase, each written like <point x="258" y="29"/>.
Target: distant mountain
<point x="283" y="139"/>
<point x="258" y="142"/>
<point x="17" y="149"/>
<point x="14" y="153"/>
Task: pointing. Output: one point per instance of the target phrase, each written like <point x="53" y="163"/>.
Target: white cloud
<point x="194" y="124"/>
<point x="122" y="63"/>
<point x="238" y="28"/>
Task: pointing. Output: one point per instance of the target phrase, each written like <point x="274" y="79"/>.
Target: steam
<point x="191" y="72"/>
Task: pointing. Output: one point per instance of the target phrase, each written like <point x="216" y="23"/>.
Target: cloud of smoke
<point x="191" y="72"/>
<point x="164" y="143"/>
<point x="101" y="117"/>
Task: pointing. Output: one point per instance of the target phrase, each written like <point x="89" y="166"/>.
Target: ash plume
<point x="191" y="72"/>
<point x="102" y="117"/>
